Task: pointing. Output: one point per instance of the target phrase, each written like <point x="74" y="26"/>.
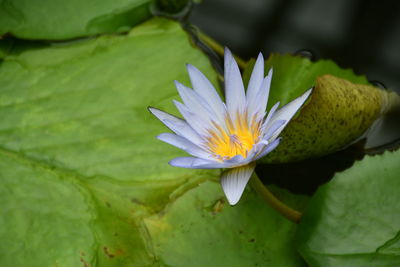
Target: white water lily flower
<point x="232" y="135"/>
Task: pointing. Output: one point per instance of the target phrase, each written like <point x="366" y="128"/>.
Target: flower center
<point x="237" y="139"/>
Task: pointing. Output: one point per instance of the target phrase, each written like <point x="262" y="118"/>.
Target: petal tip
<point x="309" y="91"/>
<point x="190" y="68"/>
<point x="179" y="87"/>
<point x="234" y="182"/>
<point x="173" y="163"/>
<point x="233" y="199"/>
<point x="233" y="202"/>
<point x="161" y="136"/>
<point x="152" y="110"/>
<point x="227" y="54"/>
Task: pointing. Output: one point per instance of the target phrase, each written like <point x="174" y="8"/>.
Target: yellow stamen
<point x="237" y="139"/>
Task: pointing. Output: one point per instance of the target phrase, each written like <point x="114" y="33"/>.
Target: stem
<point x="219" y="49"/>
<point x="279" y="206"/>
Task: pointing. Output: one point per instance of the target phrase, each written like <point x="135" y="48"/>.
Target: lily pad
<point x="293" y="75"/>
<point x="60" y="20"/>
<point x="86" y="183"/>
<point x="220" y="235"/>
<point x="45" y="220"/>
<point x="354" y="220"/>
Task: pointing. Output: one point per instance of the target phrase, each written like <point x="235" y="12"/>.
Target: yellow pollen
<point x="237" y="139"/>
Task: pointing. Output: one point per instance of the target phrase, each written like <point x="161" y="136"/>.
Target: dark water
<point x="363" y="35"/>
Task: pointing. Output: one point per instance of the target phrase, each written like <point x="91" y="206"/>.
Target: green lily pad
<point x="45" y="219"/>
<point x="293" y="75"/>
<point x="221" y="235"/>
<point x="60" y="20"/>
<point x="354" y="220"/>
<point x="86" y="183"/>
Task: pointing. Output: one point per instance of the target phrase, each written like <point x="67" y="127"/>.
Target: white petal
<point x="195" y="163"/>
<point x="197" y="104"/>
<point x="179" y="126"/>
<point x="270" y="114"/>
<point x="268" y="148"/>
<point x="199" y="163"/>
<point x="273" y="127"/>
<point x="207" y="91"/>
<point x="254" y="151"/>
<point x="260" y="105"/>
<point x="234" y="89"/>
<point x="234" y="181"/>
<point x="196" y="122"/>
<point x="184" y="144"/>
<point x="235" y="161"/>
<point x="288" y="111"/>
<point x="256" y="79"/>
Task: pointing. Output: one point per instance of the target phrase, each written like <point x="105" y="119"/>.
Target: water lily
<point x="231" y="135"/>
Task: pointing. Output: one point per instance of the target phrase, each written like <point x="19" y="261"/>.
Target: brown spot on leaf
<point x="85" y="263"/>
<point x="218" y="206"/>
<point x="108" y="253"/>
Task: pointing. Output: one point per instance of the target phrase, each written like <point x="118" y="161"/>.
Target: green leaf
<point x="354" y="220"/>
<point x="45" y="219"/>
<point x="60" y="20"/>
<point x="248" y="234"/>
<point x="86" y="183"/>
<point x="293" y="75"/>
